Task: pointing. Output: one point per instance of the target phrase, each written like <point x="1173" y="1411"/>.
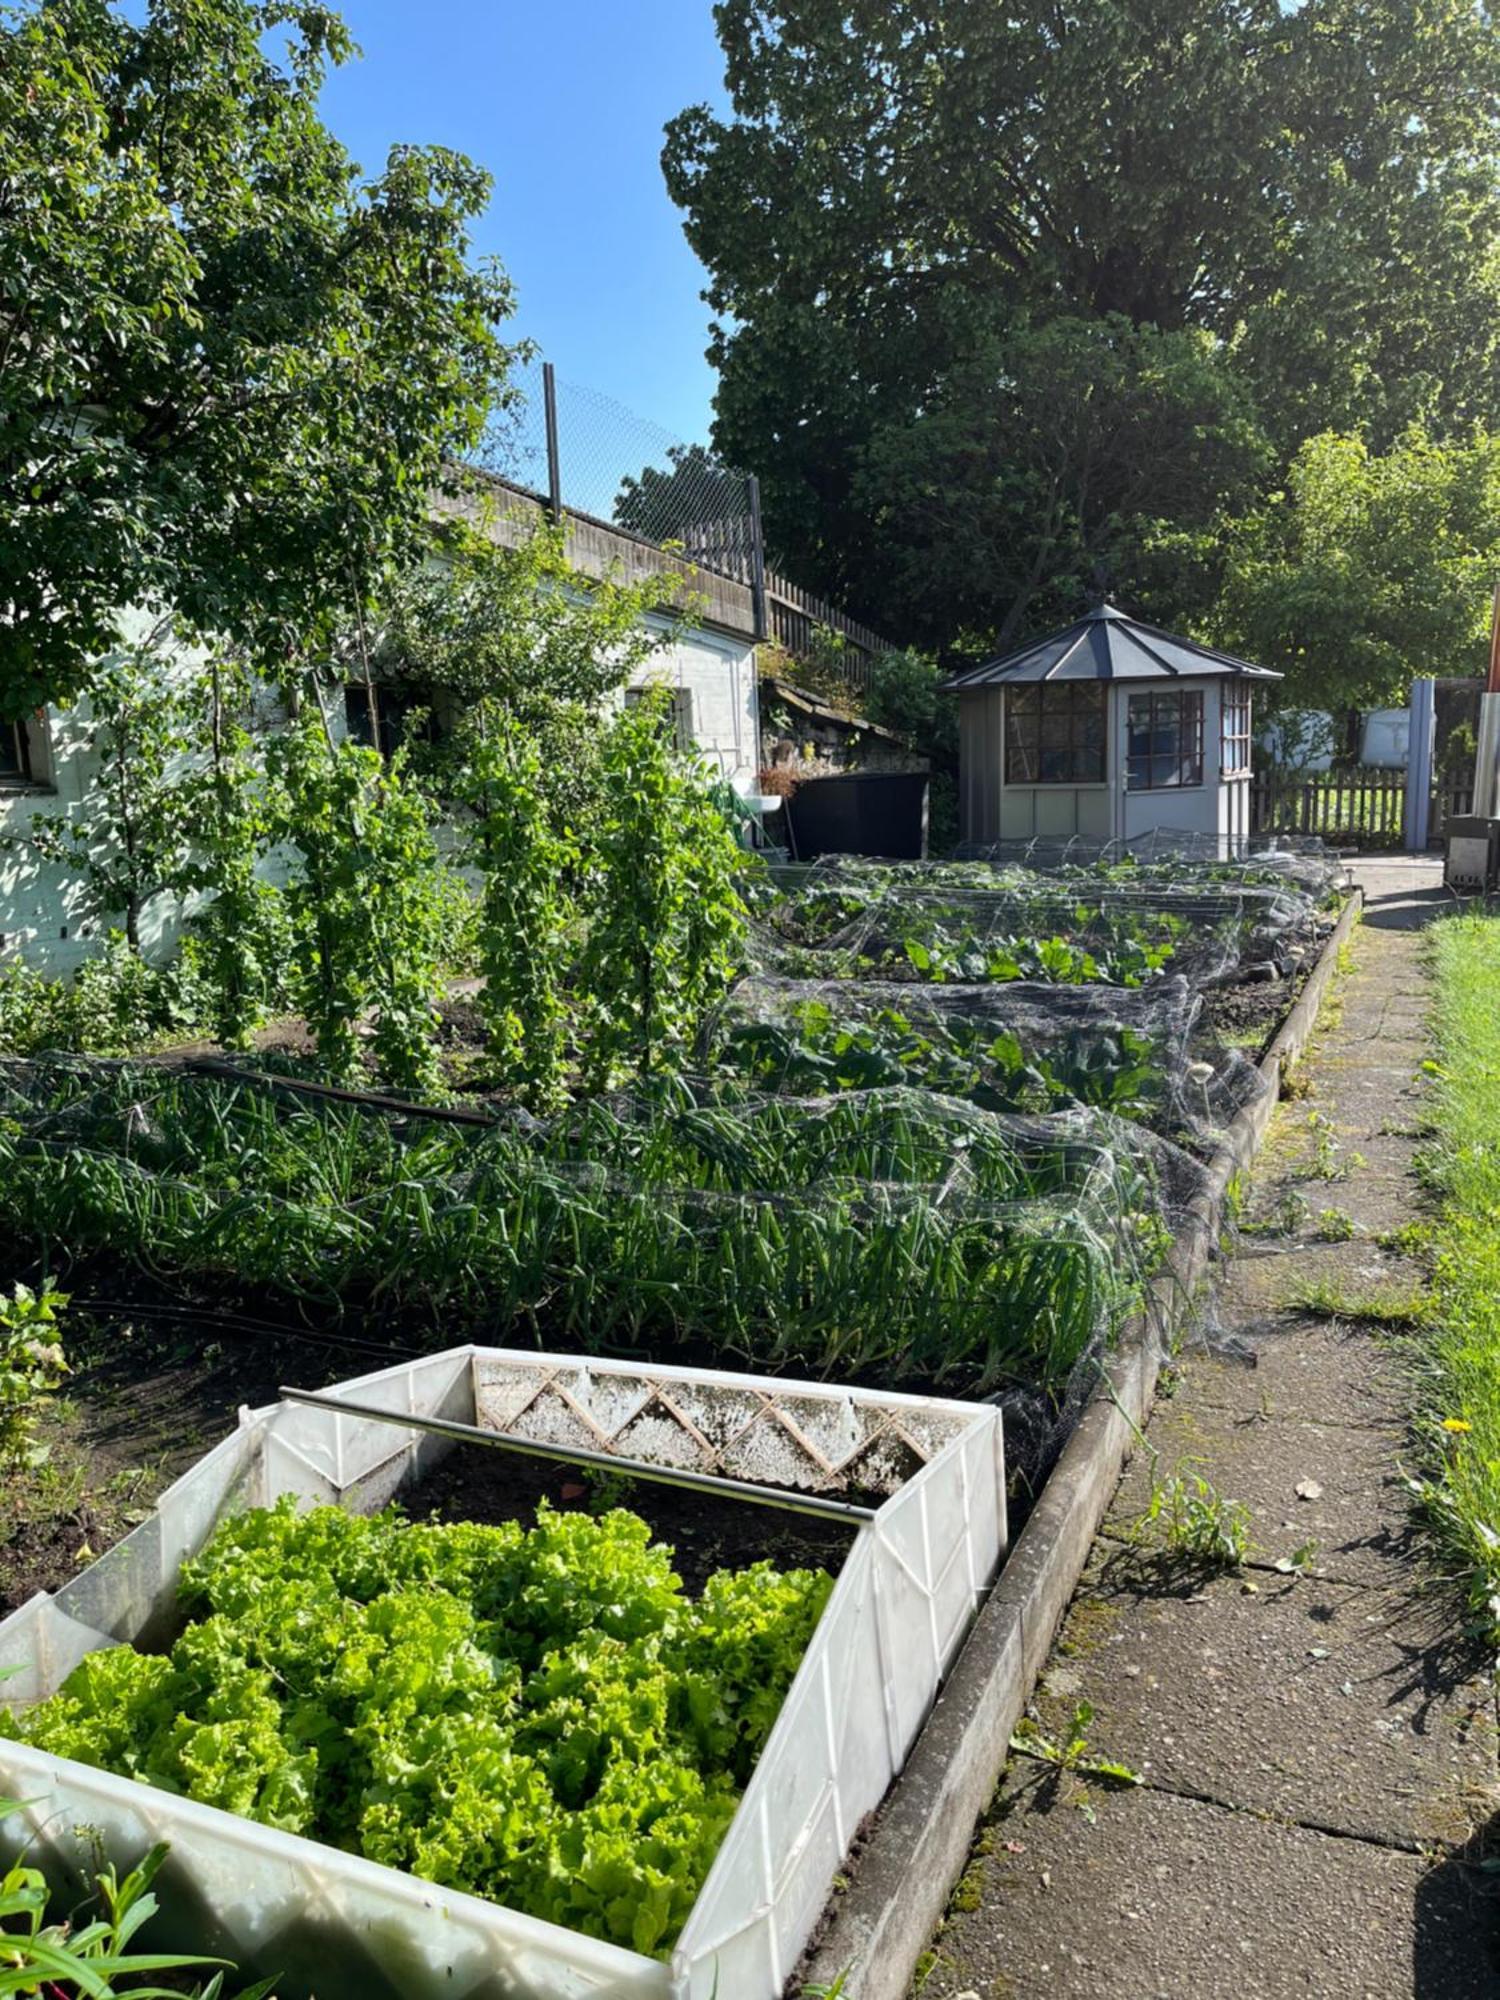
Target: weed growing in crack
<point x="1325" y="1300"/>
<point x="1197" y="1523"/>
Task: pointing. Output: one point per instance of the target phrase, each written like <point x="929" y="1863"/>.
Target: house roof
<point x="1107" y="645"/>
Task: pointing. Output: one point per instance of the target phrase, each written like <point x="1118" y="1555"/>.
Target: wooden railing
<point x="793" y="614"/>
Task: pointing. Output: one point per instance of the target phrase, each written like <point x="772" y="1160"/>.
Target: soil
<point x="149" y="1394"/>
<point x="705" y="1532"/>
<point x="1249" y="1013"/>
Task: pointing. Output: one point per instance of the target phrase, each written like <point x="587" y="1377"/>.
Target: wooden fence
<point x="1351" y="808"/>
<point x="793" y="613"/>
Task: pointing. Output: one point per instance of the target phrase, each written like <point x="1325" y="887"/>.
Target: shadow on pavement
<point x="1456" y="1932"/>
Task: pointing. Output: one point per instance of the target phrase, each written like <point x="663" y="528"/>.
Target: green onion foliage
<point x="894" y="1235"/>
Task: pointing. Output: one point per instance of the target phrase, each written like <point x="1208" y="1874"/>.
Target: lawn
<point x="1462" y="1422"/>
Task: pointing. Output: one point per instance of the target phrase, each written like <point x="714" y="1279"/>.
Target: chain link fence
<point x="577" y="449"/>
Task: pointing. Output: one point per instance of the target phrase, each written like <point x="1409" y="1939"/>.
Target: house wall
<point x="44" y="920"/>
<point x="716" y="670"/>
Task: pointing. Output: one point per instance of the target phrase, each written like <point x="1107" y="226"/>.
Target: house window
<point x="677" y="711"/>
<point x="393" y="710"/>
<point x="1164" y="741"/>
<point x="1234" y="749"/>
<point x="1055" y="733"/>
<point x="15" y="754"/>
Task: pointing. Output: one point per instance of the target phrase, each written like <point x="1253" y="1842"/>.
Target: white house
<point x="48" y="762"/>
<point x="1106" y="730"/>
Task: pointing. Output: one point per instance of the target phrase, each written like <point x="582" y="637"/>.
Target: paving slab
<point x="1358" y="1517"/>
<point x="1279" y="1273"/>
<point x="1320" y="1752"/>
<point x="1340" y="1369"/>
<point x="1163" y="1898"/>
<point x="1324" y="1703"/>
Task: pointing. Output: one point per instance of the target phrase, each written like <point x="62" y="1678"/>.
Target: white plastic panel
<point x="321" y="1920"/>
<point x="346" y="1929"/>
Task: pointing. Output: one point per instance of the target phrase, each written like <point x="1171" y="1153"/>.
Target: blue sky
<point x="564" y="103"/>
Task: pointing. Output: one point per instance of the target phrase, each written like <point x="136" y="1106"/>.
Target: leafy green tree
<point x="905" y="695"/>
<point x="692" y="499"/>
<point x="507" y="636"/>
<point x="664" y="911"/>
<point x="231" y="372"/>
<point x="1367" y="568"/>
<point x="902" y="199"/>
<point x="1048" y="466"/>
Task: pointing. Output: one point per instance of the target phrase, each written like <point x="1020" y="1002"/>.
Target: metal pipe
<point x="757" y="564"/>
<point x="554" y="461"/>
<point x="634" y="1468"/>
<point x="1487" y="759"/>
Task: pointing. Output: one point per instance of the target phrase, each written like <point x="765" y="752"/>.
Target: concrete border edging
<point x="920" y="1839"/>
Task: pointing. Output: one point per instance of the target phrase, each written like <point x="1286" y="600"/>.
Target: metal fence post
<point x="1419" y="746"/>
<point x="554" y="464"/>
<point x="757" y="563"/>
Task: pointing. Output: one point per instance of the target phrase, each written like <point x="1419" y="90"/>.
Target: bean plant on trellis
<point x="371" y="904"/>
<point x="130" y="841"/>
<point x="665" y="912"/>
<point x="242" y="938"/>
<point x="527" y="913"/>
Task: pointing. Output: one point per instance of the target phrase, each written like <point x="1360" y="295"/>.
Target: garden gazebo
<point x="1106" y="730"/>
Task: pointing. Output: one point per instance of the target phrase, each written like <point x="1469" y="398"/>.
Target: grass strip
<point x="1461" y="1427"/>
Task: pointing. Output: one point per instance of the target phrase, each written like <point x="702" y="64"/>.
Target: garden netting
<point x="1298" y="861"/>
<point x="1147" y="1053"/>
<point x="972" y="921"/>
<point x="893" y="1236"/>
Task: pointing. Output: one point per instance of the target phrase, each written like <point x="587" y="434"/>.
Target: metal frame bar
<point x="816" y="1504"/>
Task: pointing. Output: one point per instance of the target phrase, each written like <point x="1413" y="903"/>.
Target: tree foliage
<point x="920" y="221"/>
<point x="231" y="371"/>
<point x="690" y="499"/>
<point x="1367" y="567"/>
<point x="1050" y="464"/>
<point x="506" y="635"/>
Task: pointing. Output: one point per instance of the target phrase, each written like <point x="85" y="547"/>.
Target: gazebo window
<point x="1235" y="746"/>
<point x="1164" y="737"/>
<point x="1055" y="733"/>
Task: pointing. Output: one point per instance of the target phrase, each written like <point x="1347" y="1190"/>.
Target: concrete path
<point x="1318" y="1750"/>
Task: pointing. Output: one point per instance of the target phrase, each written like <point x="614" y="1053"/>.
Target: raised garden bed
<point x="932" y="1473"/>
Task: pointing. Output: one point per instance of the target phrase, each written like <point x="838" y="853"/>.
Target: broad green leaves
<point x="1367" y="568"/>
<point x="665" y="917"/>
<point x="1009" y="302"/>
<point x="371" y="903"/>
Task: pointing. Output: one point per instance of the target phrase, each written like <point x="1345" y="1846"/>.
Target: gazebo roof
<point x="1107" y="645"/>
